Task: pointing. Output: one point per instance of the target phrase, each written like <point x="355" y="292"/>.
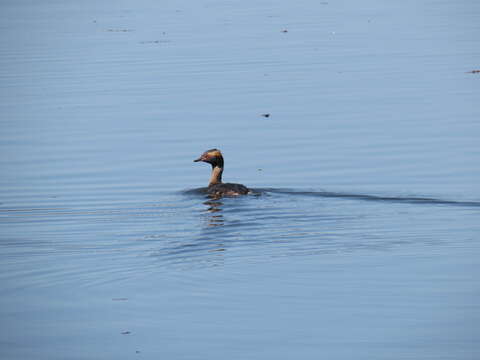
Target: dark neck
<point x="216" y="177"/>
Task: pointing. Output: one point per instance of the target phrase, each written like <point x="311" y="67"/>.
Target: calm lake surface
<point x="362" y="241"/>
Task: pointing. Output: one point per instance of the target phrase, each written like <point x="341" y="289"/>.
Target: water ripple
<point x="399" y="199"/>
<point x="352" y="196"/>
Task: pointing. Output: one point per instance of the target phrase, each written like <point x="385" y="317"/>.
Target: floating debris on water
<point x="154" y="42"/>
<point x="119" y="30"/>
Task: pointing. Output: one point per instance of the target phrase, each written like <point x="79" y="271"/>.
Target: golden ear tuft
<point x="214" y="153"/>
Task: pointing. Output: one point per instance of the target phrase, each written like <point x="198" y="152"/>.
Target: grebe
<point x="215" y="186"/>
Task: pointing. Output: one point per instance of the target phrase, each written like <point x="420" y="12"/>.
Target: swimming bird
<point x="215" y="186"/>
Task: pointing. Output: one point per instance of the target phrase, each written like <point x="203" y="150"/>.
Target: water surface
<point x="362" y="240"/>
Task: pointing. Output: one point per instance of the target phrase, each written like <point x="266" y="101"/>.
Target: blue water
<point x="361" y="240"/>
